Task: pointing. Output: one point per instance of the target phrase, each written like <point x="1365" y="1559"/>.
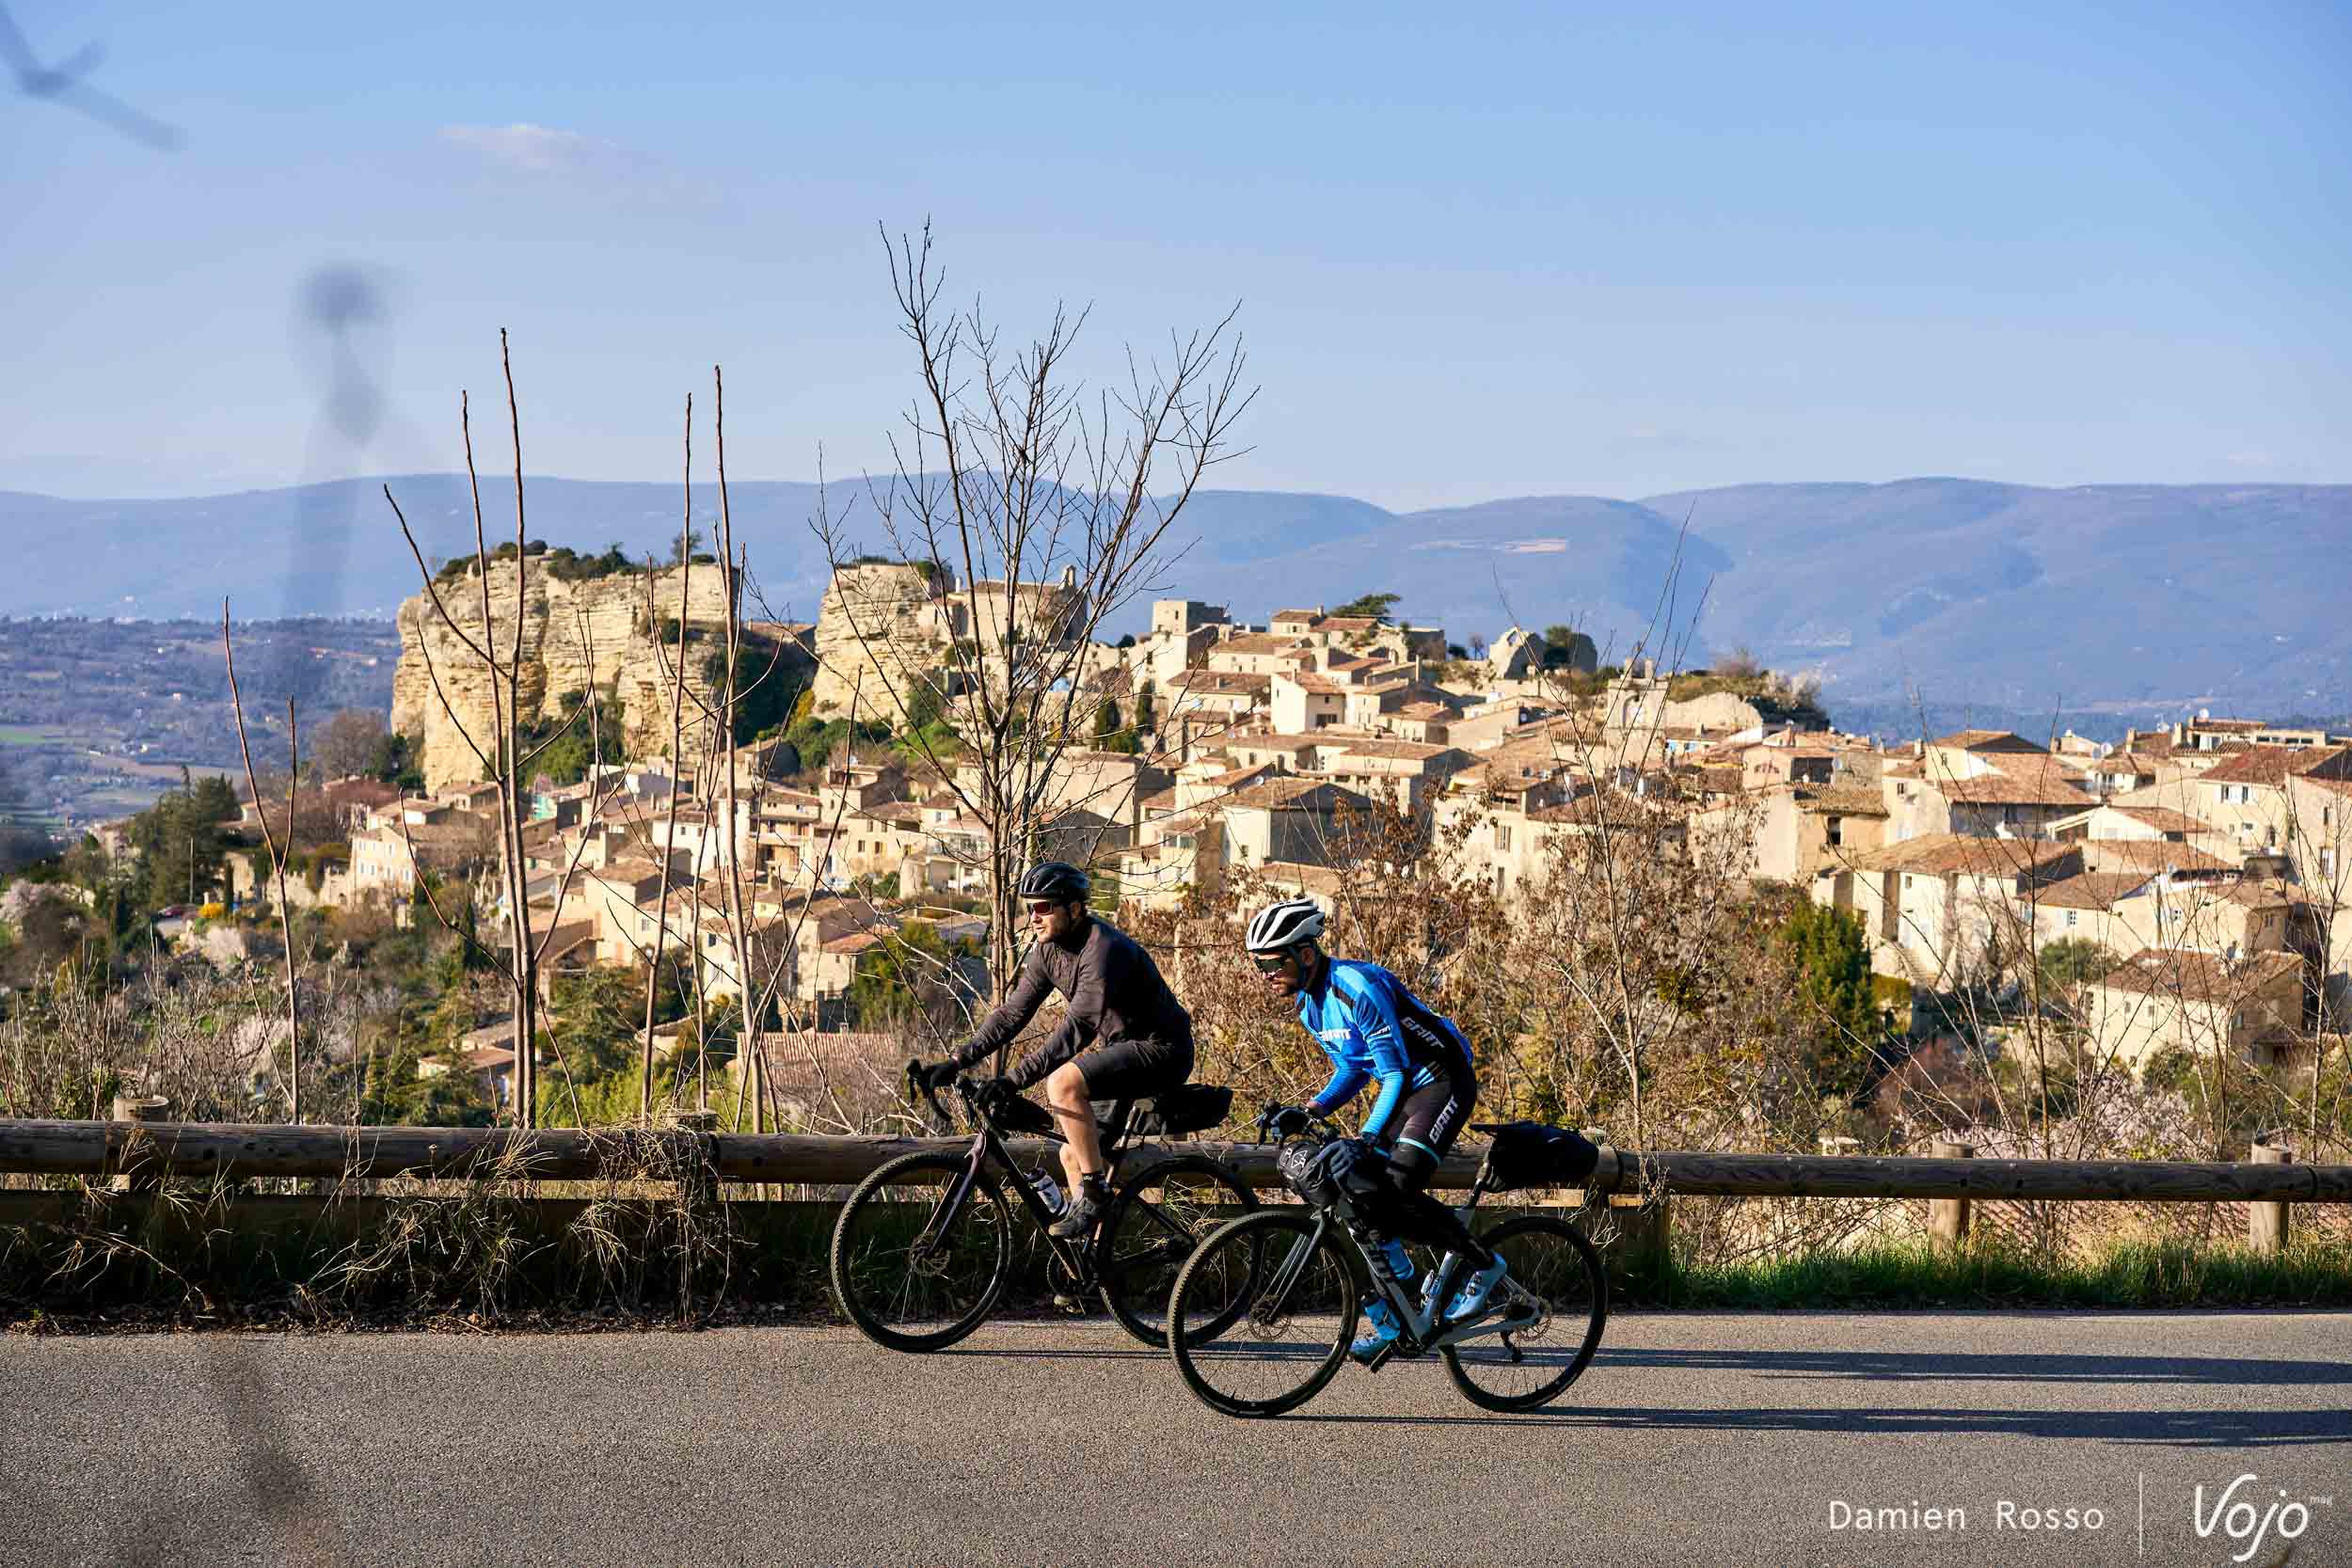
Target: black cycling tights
<point x="1419" y="1218"/>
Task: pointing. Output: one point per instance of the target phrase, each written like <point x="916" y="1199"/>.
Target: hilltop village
<point x="2197" y="871"/>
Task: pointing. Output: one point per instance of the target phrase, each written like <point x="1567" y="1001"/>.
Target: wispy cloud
<point x="568" y="159"/>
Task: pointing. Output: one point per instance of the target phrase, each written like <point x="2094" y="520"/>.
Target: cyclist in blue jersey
<point x="1376" y="1031"/>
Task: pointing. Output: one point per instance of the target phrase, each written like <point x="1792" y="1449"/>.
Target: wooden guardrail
<point x="148" y="1150"/>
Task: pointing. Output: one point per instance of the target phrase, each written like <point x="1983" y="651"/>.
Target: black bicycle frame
<point x="1415" y="1338"/>
<point x="988" y="1143"/>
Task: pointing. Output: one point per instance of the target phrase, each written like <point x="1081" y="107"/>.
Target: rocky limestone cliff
<point x="578" y="635"/>
<point x="884" y="624"/>
<point x="881" y="624"/>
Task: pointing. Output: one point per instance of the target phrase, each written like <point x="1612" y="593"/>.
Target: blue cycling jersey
<point x="1371" y="1027"/>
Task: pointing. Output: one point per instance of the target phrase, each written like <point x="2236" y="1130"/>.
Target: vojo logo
<point x="2243" y="1512"/>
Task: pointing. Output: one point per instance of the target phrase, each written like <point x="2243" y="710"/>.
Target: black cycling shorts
<point x="1433" y="1115"/>
<point x="1132" y="1069"/>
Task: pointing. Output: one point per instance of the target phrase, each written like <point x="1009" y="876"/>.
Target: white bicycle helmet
<point x="1285" y="925"/>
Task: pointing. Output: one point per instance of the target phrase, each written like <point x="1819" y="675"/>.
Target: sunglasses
<point x="1043" y="907"/>
<point x="1273" y="963"/>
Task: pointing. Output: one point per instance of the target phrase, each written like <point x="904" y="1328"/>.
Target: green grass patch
<point x="1993" y="1275"/>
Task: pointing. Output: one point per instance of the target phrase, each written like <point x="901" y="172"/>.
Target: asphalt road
<point x="1695" y="1438"/>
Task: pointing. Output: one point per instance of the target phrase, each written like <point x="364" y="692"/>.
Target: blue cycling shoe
<point x="1471" y="1299"/>
<point x="1385" y="1329"/>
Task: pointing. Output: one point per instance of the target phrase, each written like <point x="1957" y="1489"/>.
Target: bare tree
<point x="503" y="764"/>
<point x="277" y="853"/>
<point x="1050" y="510"/>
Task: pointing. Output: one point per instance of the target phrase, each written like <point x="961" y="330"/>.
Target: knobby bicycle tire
<point x="1276" y="1347"/>
<point x="1569" y="1276"/>
<point x="1146" y="1239"/>
<point x="881" y="1286"/>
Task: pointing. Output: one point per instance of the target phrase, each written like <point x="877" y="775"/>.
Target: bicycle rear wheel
<point x="1156" y="1221"/>
<point x="912" y="1272"/>
<point x="1556" y="1284"/>
<point x="1289" y="1295"/>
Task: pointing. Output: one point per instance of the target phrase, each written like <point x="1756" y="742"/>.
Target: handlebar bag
<point x="1349" y="1165"/>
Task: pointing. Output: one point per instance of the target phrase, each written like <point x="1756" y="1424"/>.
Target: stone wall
<point x="577" y="636"/>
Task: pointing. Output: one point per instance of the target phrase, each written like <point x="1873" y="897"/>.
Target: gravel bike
<point x="1262" y="1314"/>
<point x="924" y="1249"/>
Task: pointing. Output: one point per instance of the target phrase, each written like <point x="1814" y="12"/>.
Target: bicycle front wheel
<point x="1156" y="1221"/>
<point x="1287" y="1286"/>
<point x="1557" y="1294"/>
<point x="919" y="1258"/>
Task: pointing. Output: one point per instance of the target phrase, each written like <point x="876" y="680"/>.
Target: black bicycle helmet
<point x="1058" y="880"/>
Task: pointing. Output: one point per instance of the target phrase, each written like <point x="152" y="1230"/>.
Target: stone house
<point x="1931" y="906"/>
<point x="1204" y="706"/>
<point x="2169" y="999"/>
<point x="1797" y="832"/>
<point x="1403" y="773"/>
<point x="1262" y="653"/>
<point x="2245" y="794"/>
<point x="1303" y="703"/>
<point x="1984" y="784"/>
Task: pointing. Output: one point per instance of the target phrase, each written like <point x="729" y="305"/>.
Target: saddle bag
<point x="1529" y="1154"/>
<point x="1185" y="1108"/>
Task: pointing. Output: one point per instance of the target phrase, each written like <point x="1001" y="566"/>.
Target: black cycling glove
<point x="937" y="1076"/>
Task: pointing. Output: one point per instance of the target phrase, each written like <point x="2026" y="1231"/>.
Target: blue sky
<point x="1480" y="250"/>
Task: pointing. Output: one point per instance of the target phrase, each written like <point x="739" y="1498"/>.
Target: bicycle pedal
<point x="1074" y="1306"/>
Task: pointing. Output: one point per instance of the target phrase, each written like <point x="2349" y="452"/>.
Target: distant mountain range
<point x="2138" y="598"/>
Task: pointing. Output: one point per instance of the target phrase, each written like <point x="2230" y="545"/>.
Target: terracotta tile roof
<point x="2089" y="889"/>
<point x="2199" y="976"/>
<point x="1839" y="800"/>
<point x="1399" y="751"/>
<point x="2261" y="765"/>
<point x="1946" y="854"/>
<point x="1986" y="740"/>
<point x="2007" y="789"/>
<point x="1257" y="643"/>
<point x="2147" y="854"/>
<point x="1315" y="879"/>
<point x="1293" y="793"/>
<point x="1222" y="681"/>
<point x="2165" y="821"/>
<point x="564" y="938"/>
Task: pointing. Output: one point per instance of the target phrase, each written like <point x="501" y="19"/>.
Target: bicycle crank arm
<point x="1514" y="1322"/>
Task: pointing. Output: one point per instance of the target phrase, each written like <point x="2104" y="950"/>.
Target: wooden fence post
<point x="700" y="1215"/>
<point x="1948" y="1218"/>
<point x="2267" y="1222"/>
<point x="142" y="1171"/>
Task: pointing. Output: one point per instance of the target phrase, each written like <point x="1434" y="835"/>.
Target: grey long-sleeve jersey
<point x="1115" y="993"/>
